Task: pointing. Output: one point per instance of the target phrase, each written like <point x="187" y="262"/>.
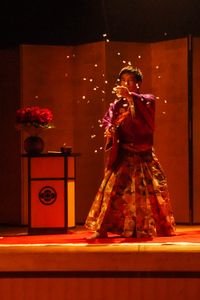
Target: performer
<point x="133" y="198"/>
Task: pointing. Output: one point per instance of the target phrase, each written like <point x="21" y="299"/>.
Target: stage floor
<point x="150" y="257"/>
<point x="68" y="267"/>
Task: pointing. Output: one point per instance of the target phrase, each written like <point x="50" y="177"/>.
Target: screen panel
<point x="170" y="86"/>
<point x="196" y="129"/>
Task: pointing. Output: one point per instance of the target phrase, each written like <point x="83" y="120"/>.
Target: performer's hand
<point x="123" y="92"/>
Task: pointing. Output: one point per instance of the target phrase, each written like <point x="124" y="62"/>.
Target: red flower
<point x="34" y="116"/>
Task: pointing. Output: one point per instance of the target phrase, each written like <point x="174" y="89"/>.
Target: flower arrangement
<point x="33" y="119"/>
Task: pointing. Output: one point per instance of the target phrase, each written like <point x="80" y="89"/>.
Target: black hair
<point x="135" y="71"/>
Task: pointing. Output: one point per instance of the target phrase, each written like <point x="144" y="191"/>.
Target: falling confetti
<point x="94" y="90"/>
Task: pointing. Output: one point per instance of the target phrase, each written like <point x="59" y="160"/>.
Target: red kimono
<point x="133" y="198"/>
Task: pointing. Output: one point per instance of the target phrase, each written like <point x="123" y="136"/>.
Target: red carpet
<point x="79" y="237"/>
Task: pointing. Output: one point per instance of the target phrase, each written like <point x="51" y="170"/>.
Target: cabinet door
<point x="47" y="204"/>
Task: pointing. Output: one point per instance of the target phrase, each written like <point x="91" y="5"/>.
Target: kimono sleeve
<point x="146" y="108"/>
<point x="108" y="117"/>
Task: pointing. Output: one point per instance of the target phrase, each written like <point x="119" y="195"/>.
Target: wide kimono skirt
<point x="133" y="198"/>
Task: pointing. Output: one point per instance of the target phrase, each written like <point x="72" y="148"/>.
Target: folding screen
<point x="76" y="83"/>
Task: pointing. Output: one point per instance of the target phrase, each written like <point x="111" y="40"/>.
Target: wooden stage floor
<point x="82" y="271"/>
<point x="146" y="257"/>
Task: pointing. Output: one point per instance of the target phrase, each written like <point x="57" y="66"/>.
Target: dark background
<point x="84" y="21"/>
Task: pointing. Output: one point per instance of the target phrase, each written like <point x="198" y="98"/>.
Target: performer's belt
<point x="136" y="148"/>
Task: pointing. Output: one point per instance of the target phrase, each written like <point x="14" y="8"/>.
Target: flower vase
<point x="33" y="145"/>
<point x="34" y="120"/>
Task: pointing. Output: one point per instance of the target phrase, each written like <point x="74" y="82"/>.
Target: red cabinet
<point x="51" y="192"/>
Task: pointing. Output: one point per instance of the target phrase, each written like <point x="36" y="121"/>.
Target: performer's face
<point x="128" y="80"/>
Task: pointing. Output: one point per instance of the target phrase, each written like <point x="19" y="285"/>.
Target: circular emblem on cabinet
<point x="47" y="195"/>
